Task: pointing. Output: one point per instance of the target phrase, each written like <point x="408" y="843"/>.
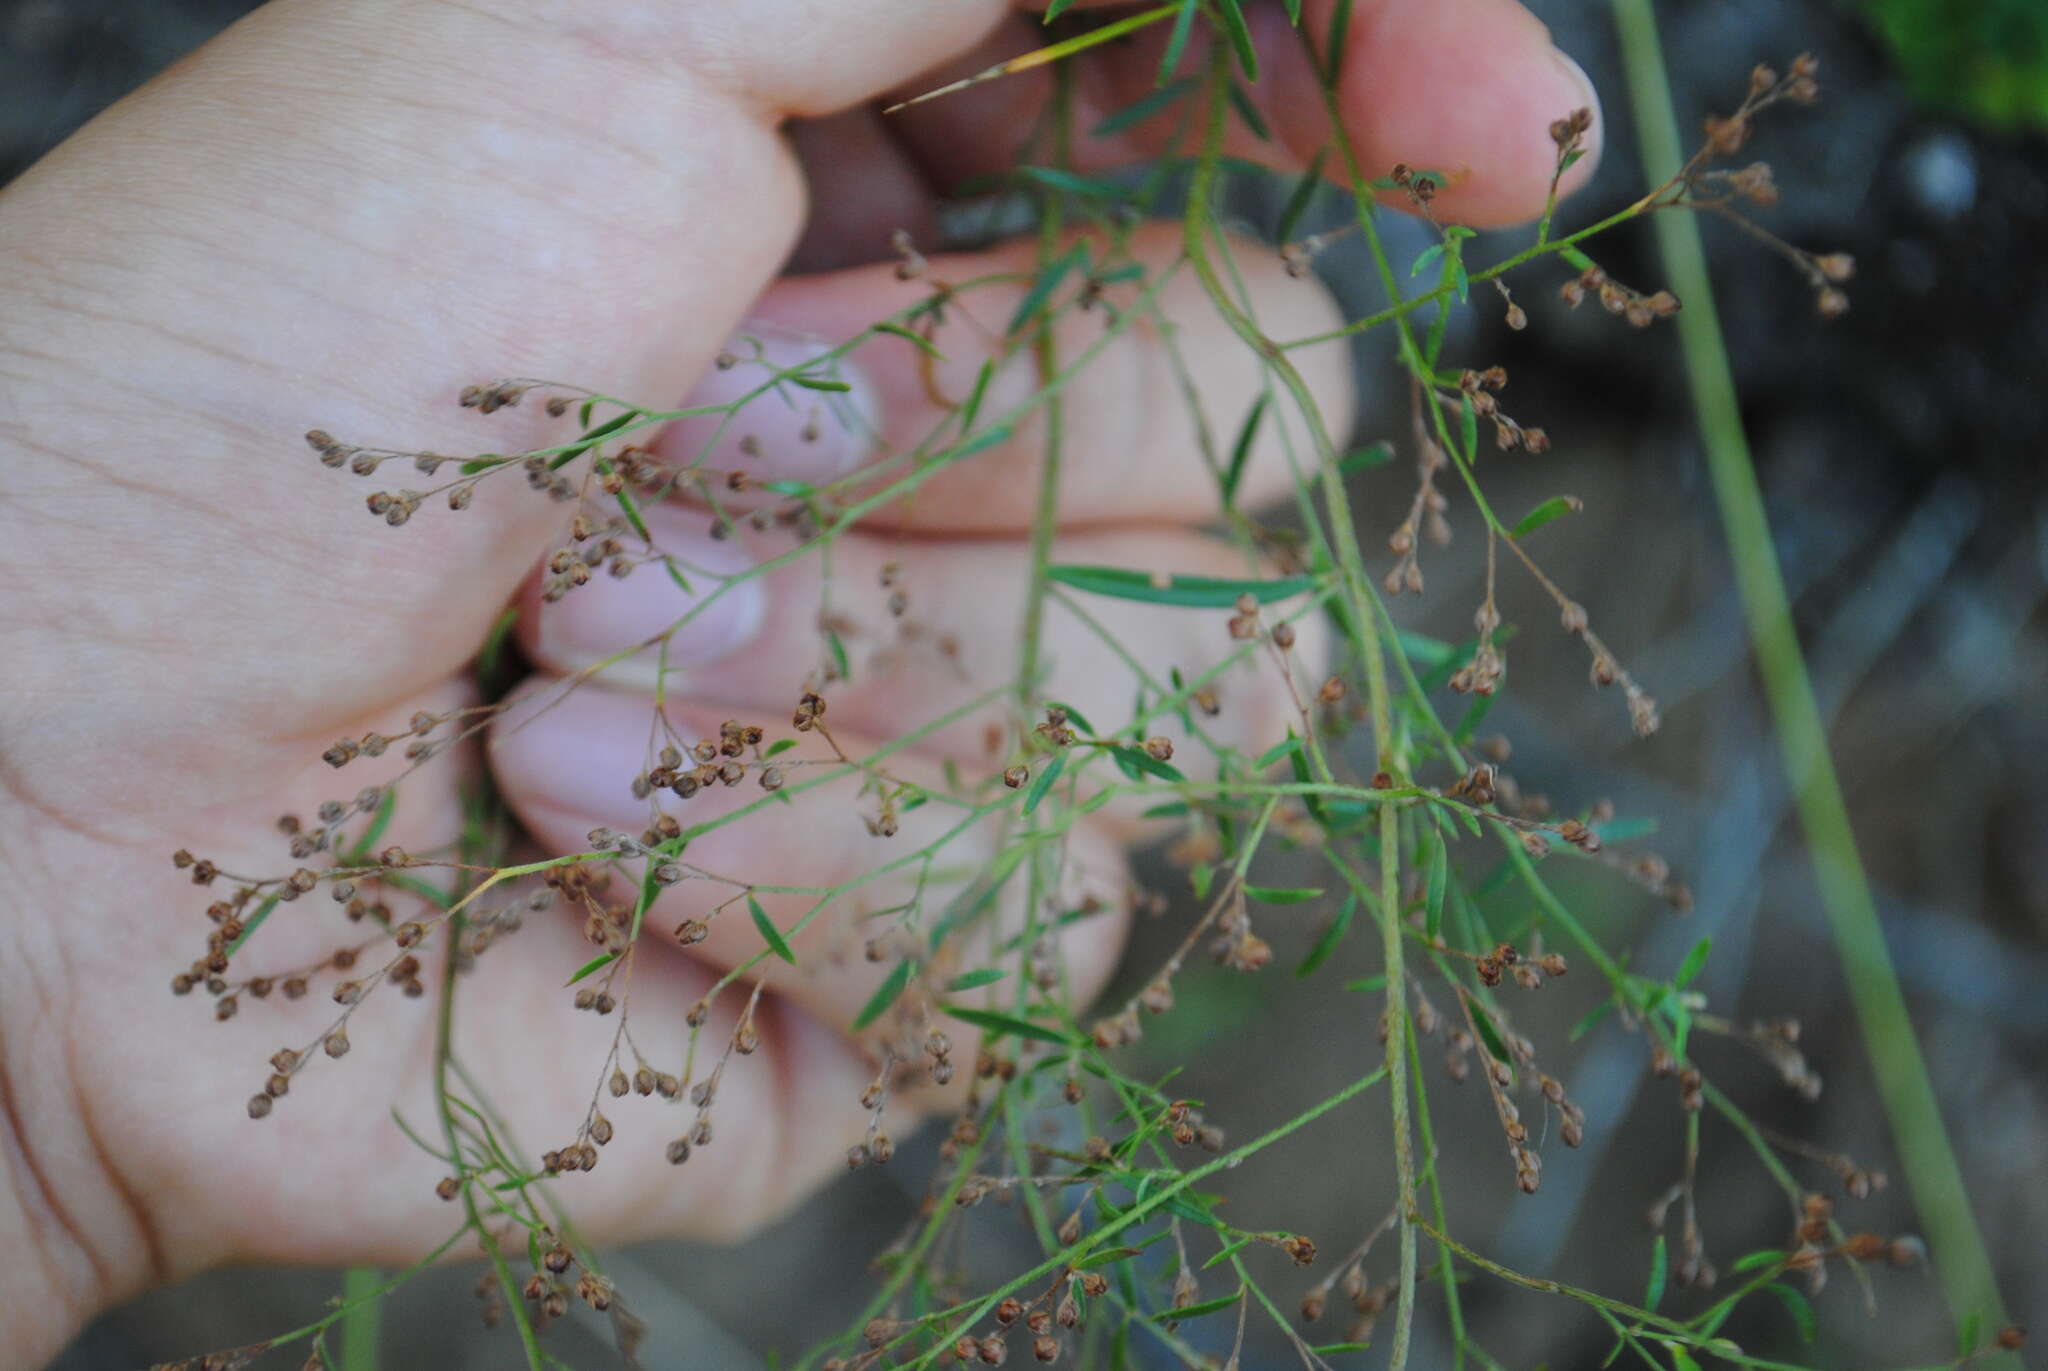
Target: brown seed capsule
<point x="1046" y="1348"/>
<point x="448" y="1187"/>
<point x="1014" y="777"/>
<point x="1159" y="749"/>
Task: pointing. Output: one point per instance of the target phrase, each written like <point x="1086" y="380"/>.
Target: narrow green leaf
<point x="1042" y="782"/>
<point x="1073" y="183"/>
<point x="915" y="339"/>
<point x="1368" y="984"/>
<point x="1375" y="454"/>
<point x="591" y="439"/>
<point x="1800" y="1309"/>
<point x="1468" y="429"/>
<point x="1055" y="10"/>
<point x="1681" y="1360"/>
<point x="1303" y="195"/>
<point x="1074" y="716"/>
<point x="1196" y="1310"/>
<point x="1592" y="1018"/>
<point x="1576" y="258"/>
<point x="1694" y="961"/>
<point x="779" y="746"/>
<point x="1336" y="42"/>
<point x="1269" y="894"/>
<point x="1194" y="592"/>
<point x="1544" y="513"/>
<point x="1424" y="258"/>
<point x="1285" y="748"/>
<point x="1339" y="925"/>
<point x="971" y="410"/>
<point x="1331" y="1349"/>
<point x="1049" y="279"/>
<point x="1138" y="111"/>
<point x="838" y="651"/>
<point x="770" y="934"/>
<point x="1241" y="104"/>
<point x="1966" y="1336"/>
<point x="1177" y="41"/>
<point x="1653" y="1295"/>
<point x="973" y="980"/>
<point x="603" y="959"/>
<point x="987" y="438"/>
<point x="820" y="383"/>
<point x="381" y="820"/>
<point x="1240" y="37"/>
<point x="996" y="1025"/>
<point x="1241" y="450"/>
<point x="491" y="655"/>
<point x="1229" y="1251"/>
<point x="1132" y="760"/>
<point x="1755" y="1261"/>
<point x="1491" y="1037"/>
<point x="884" y="996"/>
<point x="1433" y="889"/>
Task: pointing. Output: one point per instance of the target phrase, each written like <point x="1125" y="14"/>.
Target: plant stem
<point x="1960" y="1259"/>
<point x="360" y="1325"/>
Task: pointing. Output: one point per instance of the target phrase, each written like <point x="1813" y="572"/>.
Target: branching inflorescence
<point x="977" y="1008"/>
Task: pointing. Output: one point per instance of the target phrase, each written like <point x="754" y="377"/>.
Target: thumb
<point x="334" y="216"/>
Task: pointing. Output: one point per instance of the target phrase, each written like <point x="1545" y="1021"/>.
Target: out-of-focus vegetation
<point x="1983" y="58"/>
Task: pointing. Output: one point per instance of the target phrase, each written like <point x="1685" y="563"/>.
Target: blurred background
<point x="1900" y="449"/>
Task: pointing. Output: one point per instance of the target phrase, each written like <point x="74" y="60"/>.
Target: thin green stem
<point x="1959" y="1256"/>
<point x="363" y="1321"/>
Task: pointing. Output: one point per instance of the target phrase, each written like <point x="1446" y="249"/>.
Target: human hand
<point x="338" y="213"/>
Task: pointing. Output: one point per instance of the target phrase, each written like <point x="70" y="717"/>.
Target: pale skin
<point x="338" y="214"/>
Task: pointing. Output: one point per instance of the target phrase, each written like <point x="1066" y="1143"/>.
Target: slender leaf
<point x="1544" y="513"/>
<point x="1694" y="961"/>
<point x="1194" y="592"/>
<point x="972" y="980"/>
<point x="1433" y="888"/>
<point x="1195" y="1311"/>
<point x="1800" y="1309"/>
<point x="1049" y="279"/>
<point x="1302" y="196"/>
<point x="1339" y="925"/>
<point x="884" y="996"/>
<point x="1653" y="1295"/>
<point x="1177" y="41"/>
<point x="1269" y="894"/>
<point x="1138" y="111"/>
<point x="996" y="1025"/>
<point x="1241" y="450"/>
<point x="770" y="934"/>
<point x="602" y="960"/>
<point x="1042" y="782"/>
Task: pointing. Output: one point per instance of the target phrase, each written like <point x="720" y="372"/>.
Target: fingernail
<point x="1578" y="91"/>
<point x="787" y="431"/>
<point x="610" y="615"/>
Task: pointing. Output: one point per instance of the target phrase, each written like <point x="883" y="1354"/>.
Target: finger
<point x="337" y="214"/>
<point x="928" y="627"/>
<point x="1134" y="449"/>
<point x="1465" y="87"/>
<point x="861" y="187"/>
<point x="853" y="891"/>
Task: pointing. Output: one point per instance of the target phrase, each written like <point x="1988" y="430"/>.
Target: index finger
<point x="1467" y="88"/>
